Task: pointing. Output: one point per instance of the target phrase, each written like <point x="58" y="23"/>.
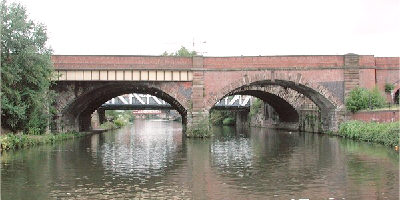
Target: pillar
<point x="351" y="72"/>
<point x="242" y="119"/>
<point x="197" y="108"/>
<point x="101" y="115"/>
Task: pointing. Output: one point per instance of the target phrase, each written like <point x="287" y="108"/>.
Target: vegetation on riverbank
<point x="222" y="117"/>
<point x="362" y="99"/>
<point x="26" y="72"/>
<point x="384" y="133"/>
<point x="17" y="141"/>
<point x="200" y="129"/>
<point x="117" y="119"/>
<point x="111" y="125"/>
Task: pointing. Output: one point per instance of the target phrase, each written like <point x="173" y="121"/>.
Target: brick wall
<point x="376" y="116"/>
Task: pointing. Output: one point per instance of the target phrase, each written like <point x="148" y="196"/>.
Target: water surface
<point x="151" y="160"/>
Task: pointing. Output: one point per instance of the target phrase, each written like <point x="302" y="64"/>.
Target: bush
<point x="229" y="121"/>
<point x="200" y="129"/>
<point x="384" y="133"/>
<point x="255" y="107"/>
<point x="108" y="126"/>
<point x="389" y="87"/>
<point x="217" y="117"/>
<point x="120" y="122"/>
<point x="361" y="98"/>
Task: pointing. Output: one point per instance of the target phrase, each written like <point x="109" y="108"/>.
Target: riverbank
<point x="383" y="133"/>
<point x="17" y="141"/>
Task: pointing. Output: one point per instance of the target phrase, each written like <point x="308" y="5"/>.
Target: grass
<point x="16" y="141"/>
<point x="384" y="133"/>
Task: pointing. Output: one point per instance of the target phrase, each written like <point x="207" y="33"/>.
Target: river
<point x="151" y="160"/>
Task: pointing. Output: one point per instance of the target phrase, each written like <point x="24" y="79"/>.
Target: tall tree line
<point x="26" y="71"/>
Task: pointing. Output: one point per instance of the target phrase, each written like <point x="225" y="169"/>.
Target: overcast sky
<point x="228" y="27"/>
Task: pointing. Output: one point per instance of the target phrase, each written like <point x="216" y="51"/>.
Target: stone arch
<point x="76" y="111"/>
<point x="328" y="103"/>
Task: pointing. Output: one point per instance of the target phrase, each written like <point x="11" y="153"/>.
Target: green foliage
<point x="182" y="52"/>
<point x="117" y="119"/>
<point x="218" y="116"/>
<point x="384" y="133"/>
<point x="361" y="98"/>
<point x="199" y="129"/>
<point x="229" y="121"/>
<point x="26" y="70"/>
<point x="11" y="141"/>
<point x="389" y="87"/>
<point x="108" y="126"/>
<point x="255" y="107"/>
<point x="120" y="122"/>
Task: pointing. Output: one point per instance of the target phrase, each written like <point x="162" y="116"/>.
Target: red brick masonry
<point x="376" y="116"/>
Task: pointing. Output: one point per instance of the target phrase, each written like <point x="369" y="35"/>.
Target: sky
<point x="220" y="27"/>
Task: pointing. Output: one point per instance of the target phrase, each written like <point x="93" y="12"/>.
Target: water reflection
<point x="151" y="159"/>
<point x="133" y="151"/>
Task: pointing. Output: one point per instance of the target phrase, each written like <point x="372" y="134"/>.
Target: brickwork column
<point x="197" y="108"/>
<point x="351" y="72"/>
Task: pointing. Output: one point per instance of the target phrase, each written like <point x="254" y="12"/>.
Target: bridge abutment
<point x="197" y="108"/>
<point x="101" y="114"/>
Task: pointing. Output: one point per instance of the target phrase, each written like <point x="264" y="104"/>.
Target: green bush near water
<point x="118" y="123"/>
<point x="201" y="129"/>
<point x="11" y="141"/>
<point x="384" y="133"/>
<point x="217" y="117"/>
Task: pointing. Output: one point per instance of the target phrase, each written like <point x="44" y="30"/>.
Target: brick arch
<point x="328" y="103"/>
<point x="75" y="113"/>
<point x="293" y="81"/>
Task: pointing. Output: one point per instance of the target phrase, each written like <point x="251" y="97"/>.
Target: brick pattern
<point x="197" y="98"/>
<point x="272" y="61"/>
<point x="324" y="80"/>
<point x="376" y="116"/>
<point x="77" y="101"/>
<point x="351" y="72"/>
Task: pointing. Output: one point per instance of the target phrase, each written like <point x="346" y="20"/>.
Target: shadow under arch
<point x="78" y="113"/>
<point x="286" y="112"/>
<point x="328" y="104"/>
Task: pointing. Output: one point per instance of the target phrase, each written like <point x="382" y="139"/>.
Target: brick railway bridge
<point x="192" y="86"/>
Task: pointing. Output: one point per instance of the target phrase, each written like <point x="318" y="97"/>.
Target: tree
<point x="26" y="70"/>
<point x="182" y="52"/>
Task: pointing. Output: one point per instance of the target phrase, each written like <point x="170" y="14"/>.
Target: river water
<point x="151" y="160"/>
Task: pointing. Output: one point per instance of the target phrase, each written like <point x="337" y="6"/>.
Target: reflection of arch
<point x="318" y="94"/>
<point x="79" y="110"/>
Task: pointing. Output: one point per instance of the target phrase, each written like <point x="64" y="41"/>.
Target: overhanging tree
<point x="26" y="70"/>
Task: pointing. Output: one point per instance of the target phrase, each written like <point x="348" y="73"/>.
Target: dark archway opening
<point x="324" y="106"/>
<point x="78" y="114"/>
<point x="266" y="110"/>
